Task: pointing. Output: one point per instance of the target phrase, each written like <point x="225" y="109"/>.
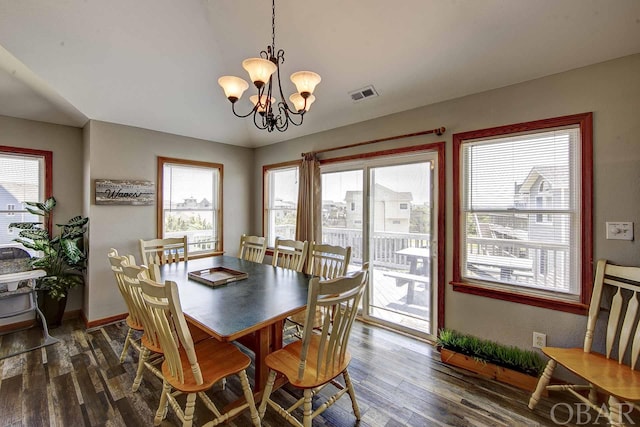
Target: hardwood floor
<point x="399" y="382"/>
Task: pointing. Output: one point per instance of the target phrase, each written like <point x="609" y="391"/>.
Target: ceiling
<point x="154" y="64"/>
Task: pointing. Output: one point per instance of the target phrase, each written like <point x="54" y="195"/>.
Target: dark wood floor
<point x="399" y="382"/>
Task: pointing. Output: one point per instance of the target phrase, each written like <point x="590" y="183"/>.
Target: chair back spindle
<point x="164" y="251"/>
<point x="327" y="261"/>
<point x="252" y="248"/>
<point x="290" y="254"/>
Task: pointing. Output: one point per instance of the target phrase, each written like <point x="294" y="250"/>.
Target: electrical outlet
<point x="539" y="340"/>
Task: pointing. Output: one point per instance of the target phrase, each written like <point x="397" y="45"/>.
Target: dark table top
<point x="236" y="309"/>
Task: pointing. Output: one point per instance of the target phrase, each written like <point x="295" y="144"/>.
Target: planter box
<point x="489" y="370"/>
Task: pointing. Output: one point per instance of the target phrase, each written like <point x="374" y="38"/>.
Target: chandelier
<point x="269" y="113"/>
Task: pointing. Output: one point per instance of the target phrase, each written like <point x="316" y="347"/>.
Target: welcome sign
<point x="124" y="192"/>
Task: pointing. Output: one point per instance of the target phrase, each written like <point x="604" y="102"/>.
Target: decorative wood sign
<point x="124" y="192"/>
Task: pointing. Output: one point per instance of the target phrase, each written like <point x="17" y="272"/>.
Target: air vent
<point x="364" y="93"/>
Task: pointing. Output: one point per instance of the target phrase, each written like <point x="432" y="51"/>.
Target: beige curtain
<point x="308" y="221"/>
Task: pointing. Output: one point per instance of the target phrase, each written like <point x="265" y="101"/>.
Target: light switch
<point x="620" y="230"/>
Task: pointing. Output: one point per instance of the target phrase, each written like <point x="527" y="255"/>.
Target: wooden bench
<point x="410" y="279"/>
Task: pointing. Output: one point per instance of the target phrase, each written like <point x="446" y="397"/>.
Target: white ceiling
<point x="155" y="63"/>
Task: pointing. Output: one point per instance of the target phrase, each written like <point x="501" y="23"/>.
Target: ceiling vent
<point x="364" y="93"/>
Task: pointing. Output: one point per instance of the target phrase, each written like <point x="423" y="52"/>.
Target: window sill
<point x="551" y="304"/>
<point x="206" y="255"/>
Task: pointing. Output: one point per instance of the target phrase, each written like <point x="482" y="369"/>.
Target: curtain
<point x="308" y="220"/>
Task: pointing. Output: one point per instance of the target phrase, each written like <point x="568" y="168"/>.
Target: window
<point x="404" y="206"/>
<point x="190" y="203"/>
<point x="280" y="201"/>
<point x="522" y="212"/>
<point x="25" y="176"/>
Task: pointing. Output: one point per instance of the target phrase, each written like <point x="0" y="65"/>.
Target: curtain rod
<point x="438" y="131"/>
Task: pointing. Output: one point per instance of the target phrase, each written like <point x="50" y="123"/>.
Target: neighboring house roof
<point x="383" y="193"/>
<point x="557" y="179"/>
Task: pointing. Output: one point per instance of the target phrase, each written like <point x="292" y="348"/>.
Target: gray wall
<point x="66" y="144"/>
<point x="611" y="90"/>
<point x="122" y="152"/>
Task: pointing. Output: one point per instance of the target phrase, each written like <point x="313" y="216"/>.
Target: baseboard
<point x="103" y="321"/>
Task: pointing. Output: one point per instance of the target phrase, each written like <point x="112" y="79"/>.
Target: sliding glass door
<point x="384" y="209"/>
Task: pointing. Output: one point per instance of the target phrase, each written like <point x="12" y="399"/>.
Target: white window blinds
<point x="520" y="211"/>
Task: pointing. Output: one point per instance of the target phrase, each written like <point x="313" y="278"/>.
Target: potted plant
<point x="62" y="257"/>
<point x="509" y="364"/>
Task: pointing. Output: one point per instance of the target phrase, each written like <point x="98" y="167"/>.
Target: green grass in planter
<point x="510" y="357"/>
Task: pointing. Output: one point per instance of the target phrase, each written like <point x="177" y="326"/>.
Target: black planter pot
<point x="52" y="309"/>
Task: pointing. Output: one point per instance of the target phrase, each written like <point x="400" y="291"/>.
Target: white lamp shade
<point x="233" y="86"/>
<point x="305" y="81"/>
<point x="259" y="69"/>
<point x="263" y="101"/>
<point x="298" y="102"/>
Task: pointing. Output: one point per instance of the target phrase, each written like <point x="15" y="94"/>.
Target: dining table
<point x="250" y="311"/>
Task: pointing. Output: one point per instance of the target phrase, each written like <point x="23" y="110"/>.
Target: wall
<point x="123" y="152"/>
<point x="611" y="90"/>
<point x="66" y="144"/>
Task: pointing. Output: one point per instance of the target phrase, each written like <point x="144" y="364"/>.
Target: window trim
<point x="160" y="201"/>
<point x="585" y="122"/>
<point x="48" y="170"/>
<point x="265" y="170"/>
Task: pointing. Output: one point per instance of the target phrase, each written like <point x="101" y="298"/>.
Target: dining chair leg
<point x="352" y="394"/>
<point x="127" y="342"/>
<point x="144" y="356"/>
<point x="189" y="409"/>
<point x="162" y="406"/>
<point x="544" y="380"/>
<point x="266" y="393"/>
<point x="307" y="409"/>
<point x="248" y="394"/>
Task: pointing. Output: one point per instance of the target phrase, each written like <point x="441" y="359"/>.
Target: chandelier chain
<point x="273" y="26"/>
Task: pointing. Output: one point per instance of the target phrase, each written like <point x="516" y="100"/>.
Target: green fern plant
<point x="487" y="351"/>
<point x="62" y="256"/>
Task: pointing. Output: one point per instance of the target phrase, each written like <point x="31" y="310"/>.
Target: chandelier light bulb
<point x="305" y="82"/>
<point x="262" y="107"/>
<point x="233" y="87"/>
<point x="259" y="70"/>
<point x="298" y="102"/>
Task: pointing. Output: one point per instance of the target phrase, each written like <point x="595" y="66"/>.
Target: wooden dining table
<point x="250" y="311"/>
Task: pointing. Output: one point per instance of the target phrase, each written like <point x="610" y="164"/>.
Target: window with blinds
<point x="22" y="179"/>
<point x="281" y="203"/>
<point x="191" y="203"/>
<point x="520" y="210"/>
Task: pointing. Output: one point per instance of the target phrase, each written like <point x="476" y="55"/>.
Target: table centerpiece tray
<point x="217" y="276"/>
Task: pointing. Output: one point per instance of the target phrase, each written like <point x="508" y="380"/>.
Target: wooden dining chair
<point x="326" y="262"/>
<point x="612" y="373"/>
<point x="318" y="359"/>
<point x="150" y="349"/>
<point x="133" y="320"/>
<point x="191" y="368"/>
<point x="164" y="251"/>
<point x="290" y="254"/>
<point x="252" y="248"/>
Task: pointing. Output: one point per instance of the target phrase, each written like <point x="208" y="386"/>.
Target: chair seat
<point x="133" y="325"/>
<point x="606" y="374"/>
<point x="287" y="361"/>
<point x="150" y="345"/>
<point x="217" y="360"/>
<point x="300" y="318"/>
